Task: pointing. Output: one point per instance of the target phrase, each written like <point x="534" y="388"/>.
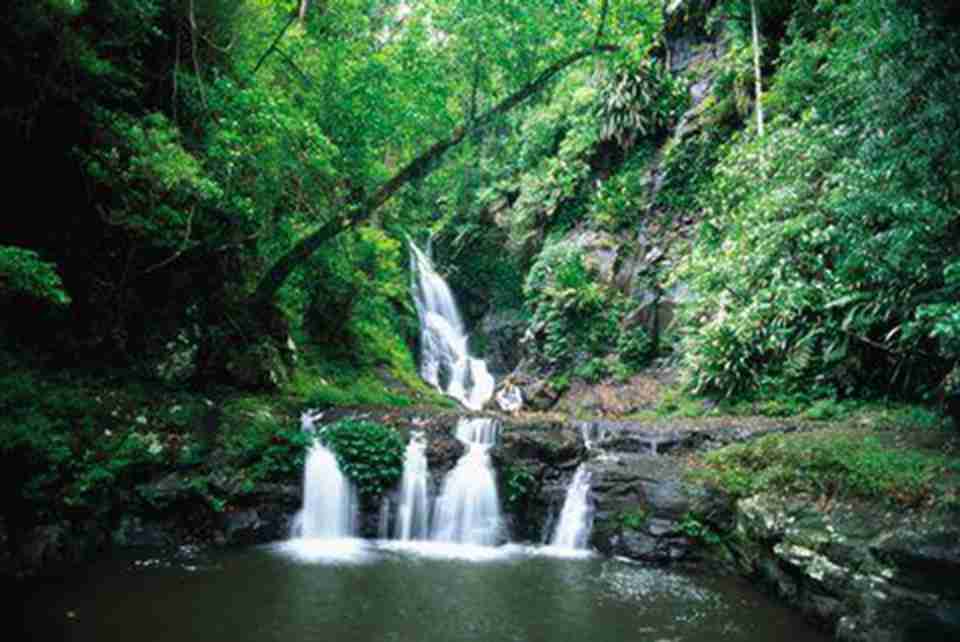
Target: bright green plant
<point x="820" y="265"/>
<point x="23" y="272"/>
<point x="520" y="483"/>
<point x="579" y="321"/>
<point x="369" y="453"/>
<point x="692" y="526"/>
<point x="633" y="519"/>
<point x="259" y="444"/>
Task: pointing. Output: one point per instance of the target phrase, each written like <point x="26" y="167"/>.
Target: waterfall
<point x="468" y="509"/>
<point x="576" y="517"/>
<point x="445" y="362"/>
<point x="413" y="511"/>
<point x="329" y="499"/>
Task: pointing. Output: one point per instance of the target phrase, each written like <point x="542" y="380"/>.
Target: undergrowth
<point x="844" y="461"/>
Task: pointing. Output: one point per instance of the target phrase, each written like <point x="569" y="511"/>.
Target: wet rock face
<point x="502" y="331"/>
<point x="535" y="461"/>
<point x="641" y="504"/>
<point x="865" y="575"/>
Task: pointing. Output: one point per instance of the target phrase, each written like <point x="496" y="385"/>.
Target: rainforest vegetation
<point x="209" y="203"/>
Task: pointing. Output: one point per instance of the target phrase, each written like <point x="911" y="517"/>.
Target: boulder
<point x="867" y="574"/>
<point x="641" y="503"/>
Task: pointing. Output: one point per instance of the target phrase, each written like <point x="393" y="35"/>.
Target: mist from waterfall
<point x="445" y="361"/>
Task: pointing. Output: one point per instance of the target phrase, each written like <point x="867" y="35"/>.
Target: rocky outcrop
<point x="535" y="461"/>
<point x="868" y="575"/>
<point x="640" y="500"/>
<point x="261" y="365"/>
<point x="501" y="331"/>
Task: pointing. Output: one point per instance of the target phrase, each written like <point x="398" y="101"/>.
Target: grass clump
<point x="841" y="461"/>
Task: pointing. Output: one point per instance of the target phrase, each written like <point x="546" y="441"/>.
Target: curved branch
<point x="419" y="167"/>
<point x="273" y="45"/>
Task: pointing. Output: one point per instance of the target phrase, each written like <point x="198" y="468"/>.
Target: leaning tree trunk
<point x="419" y="167"/>
<point x="756" y="64"/>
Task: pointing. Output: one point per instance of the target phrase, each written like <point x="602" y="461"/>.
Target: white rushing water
<point x="468" y="509"/>
<point x="413" y="510"/>
<point x="445" y="362"/>
<point x="576" y="517"/>
<point x="329" y="499"/>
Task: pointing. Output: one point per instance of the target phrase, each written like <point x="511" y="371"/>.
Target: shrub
<point x="369" y="453"/>
<point x="579" y="321"/>
<point x="259" y="445"/>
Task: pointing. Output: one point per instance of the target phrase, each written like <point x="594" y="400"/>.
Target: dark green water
<point x="271" y="594"/>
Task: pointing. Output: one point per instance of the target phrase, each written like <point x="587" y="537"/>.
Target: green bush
<point x="259" y="445"/>
<point x="633" y="520"/>
<point x="579" y="321"/>
<point x="369" y="453"/>
<point x="520" y="484"/>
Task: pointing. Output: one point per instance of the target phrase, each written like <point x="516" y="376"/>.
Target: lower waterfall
<point x="468" y="509"/>
<point x="413" y="509"/>
<point x="576" y="516"/>
<point x="330" y="500"/>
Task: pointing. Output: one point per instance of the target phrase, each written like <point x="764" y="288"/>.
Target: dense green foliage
<point x="90" y="448"/>
<point x="578" y="321"/>
<point x="369" y="453"/>
<point x="22" y="272"/>
<point x="202" y="142"/>
<point x="827" y="261"/>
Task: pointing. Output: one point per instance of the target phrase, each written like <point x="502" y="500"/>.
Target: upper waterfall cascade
<point x="445" y="362"/>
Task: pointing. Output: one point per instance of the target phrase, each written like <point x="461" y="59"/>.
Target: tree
<point x="420" y="166"/>
<point x="503" y="42"/>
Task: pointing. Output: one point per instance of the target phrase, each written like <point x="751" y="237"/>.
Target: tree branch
<point x="269" y="50"/>
<point x="604" y="8"/>
<point x="419" y="167"/>
<point x="304" y="77"/>
<point x="193" y="51"/>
